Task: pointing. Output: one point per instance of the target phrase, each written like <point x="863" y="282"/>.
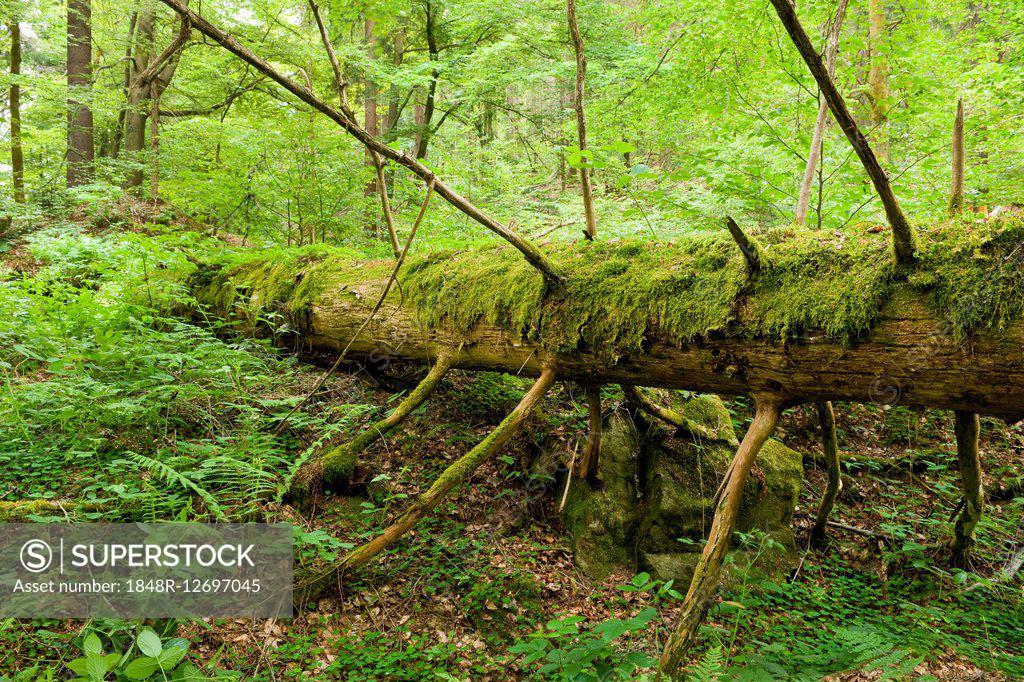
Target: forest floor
<point x="106" y="389"/>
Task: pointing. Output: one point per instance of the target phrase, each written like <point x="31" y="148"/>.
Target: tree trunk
<point x="17" y="156"/>
<point x="424" y="130"/>
<point x="79" y="66"/>
<point x="370" y="108"/>
<point x="878" y="77"/>
<point x="968" y="430"/>
<point x="154" y="143"/>
<point x="956" y="195"/>
<point x="832" y="35"/>
<point x="706" y="574"/>
<point x="394" y="95"/>
<point x="590" y="231"/>
<point x="909" y="356"/>
<point x="140" y="89"/>
<point x="830" y="448"/>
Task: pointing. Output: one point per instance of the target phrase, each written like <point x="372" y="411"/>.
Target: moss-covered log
<point x="827" y="318"/>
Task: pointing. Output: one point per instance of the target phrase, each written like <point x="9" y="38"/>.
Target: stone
<point x="653" y="507"/>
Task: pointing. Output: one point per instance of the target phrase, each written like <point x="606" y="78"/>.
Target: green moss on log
<point x="616" y="296"/>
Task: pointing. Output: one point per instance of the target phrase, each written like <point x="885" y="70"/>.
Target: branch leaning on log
<point x="904" y="240"/>
<point x="529" y="250"/>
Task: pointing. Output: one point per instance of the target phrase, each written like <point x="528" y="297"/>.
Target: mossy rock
<point x="654" y="505"/>
<point x="603" y="520"/>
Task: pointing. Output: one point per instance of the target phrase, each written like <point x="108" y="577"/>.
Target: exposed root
<point x="706" y="574"/>
<point x="968" y="430"/>
<point x="830" y="449"/>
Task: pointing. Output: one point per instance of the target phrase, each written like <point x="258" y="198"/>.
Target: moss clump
<point x="822" y="282"/>
<point x="613" y="294"/>
<point x="973" y="271"/>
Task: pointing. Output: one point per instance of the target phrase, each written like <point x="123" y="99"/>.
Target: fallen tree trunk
<point x="910" y="355"/>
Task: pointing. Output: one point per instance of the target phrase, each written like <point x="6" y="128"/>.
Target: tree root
<point x="830" y="449"/>
<point x="706" y="574"/>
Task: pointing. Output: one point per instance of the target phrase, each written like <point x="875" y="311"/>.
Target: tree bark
<point x="79" y="66"/>
<point x="968" y="431"/>
<point x="530" y="252"/>
<point x="706" y="575"/>
<point x="832" y="35"/>
<point x="592" y="450"/>
<point x="17" y="155"/>
<point x="909" y="357"/>
<point x="590" y="231"/>
<point x="956" y="195"/>
<point x="904" y="242"/>
<point x="830" y="451"/>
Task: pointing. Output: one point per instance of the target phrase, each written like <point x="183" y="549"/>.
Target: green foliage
<point x="562" y="651"/>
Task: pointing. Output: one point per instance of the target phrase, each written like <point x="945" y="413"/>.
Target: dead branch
<point x="904" y="241"/>
<point x="830" y="451"/>
<point x="956" y="195"/>
<point x="454" y="475"/>
<point x="748" y="245"/>
<point x="529" y="250"/>
<point x="706" y="574"/>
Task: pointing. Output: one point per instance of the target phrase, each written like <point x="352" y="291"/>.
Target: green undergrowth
<point x="618" y="295"/>
<point x="114" y="407"/>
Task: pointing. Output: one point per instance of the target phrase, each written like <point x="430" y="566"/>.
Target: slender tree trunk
<point x="154" y="143"/>
<point x="968" y="431"/>
<point x="878" y="77"/>
<point x="370" y="108"/>
<point x="581" y="120"/>
<point x="956" y="195"/>
<point x="830" y="447"/>
<point x="137" y="109"/>
<point x="115" y="145"/>
<point x="79" y="67"/>
<point x="394" y="95"/>
<point x="704" y="584"/>
<point x="17" y="156"/>
<point x="426" y="116"/>
<point x="832" y="35"/>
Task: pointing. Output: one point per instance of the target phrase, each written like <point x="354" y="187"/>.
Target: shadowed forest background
<point x="179" y="233"/>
